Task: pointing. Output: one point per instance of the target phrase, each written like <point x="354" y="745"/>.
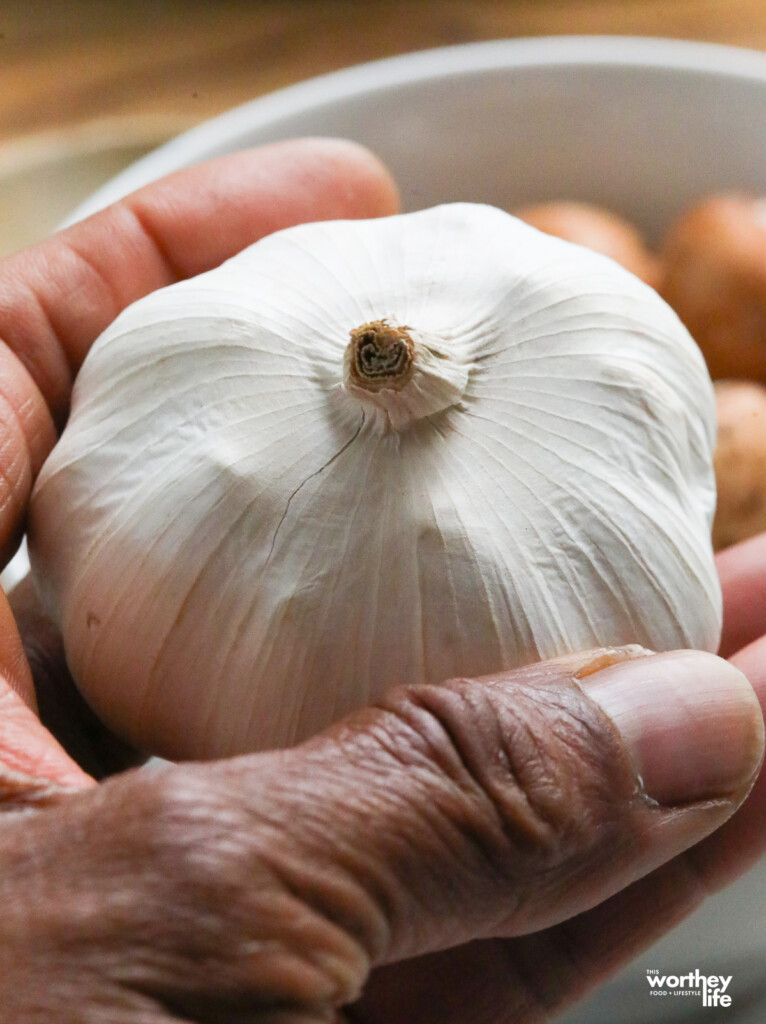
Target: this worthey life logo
<point x="712" y="987"/>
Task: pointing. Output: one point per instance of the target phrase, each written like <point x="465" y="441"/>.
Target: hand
<point x="477" y="853"/>
<point x="480" y="852"/>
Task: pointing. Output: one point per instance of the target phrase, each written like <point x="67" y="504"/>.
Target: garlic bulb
<point x="368" y="453"/>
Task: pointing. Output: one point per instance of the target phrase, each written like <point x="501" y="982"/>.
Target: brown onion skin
<point x="740" y="462"/>
<point x="598" y="229"/>
<point x="714" y="277"/>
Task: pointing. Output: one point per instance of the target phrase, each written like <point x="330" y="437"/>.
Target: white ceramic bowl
<point x="640" y="125"/>
<point x="643" y="126"/>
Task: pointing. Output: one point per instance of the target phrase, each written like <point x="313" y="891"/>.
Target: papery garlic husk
<point x="248" y="529"/>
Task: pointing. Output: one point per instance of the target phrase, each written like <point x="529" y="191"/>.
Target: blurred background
<point x="87" y="86"/>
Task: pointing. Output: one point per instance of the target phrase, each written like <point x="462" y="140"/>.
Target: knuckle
<point x="531" y="769"/>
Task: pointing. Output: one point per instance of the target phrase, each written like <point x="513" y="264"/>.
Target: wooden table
<point x="88" y="86"/>
<point x="63" y="62"/>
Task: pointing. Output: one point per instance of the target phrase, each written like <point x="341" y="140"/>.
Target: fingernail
<point x="690" y="721"/>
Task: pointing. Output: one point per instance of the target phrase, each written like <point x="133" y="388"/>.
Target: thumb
<point x="476" y="809"/>
<point x="500" y="806"/>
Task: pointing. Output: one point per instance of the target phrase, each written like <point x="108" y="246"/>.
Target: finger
<point x="532" y="978"/>
<point x="741" y="842"/>
<point x="535" y="977"/>
<point x="742" y="571"/>
<point x="30" y="759"/>
<point x="475" y="810"/>
<point x="506" y="805"/>
<point x="541" y="974"/>
<point x="56" y="298"/>
<point x="60" y="707"/>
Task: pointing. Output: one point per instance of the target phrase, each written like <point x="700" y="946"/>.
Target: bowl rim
<point x="433" y="64"/>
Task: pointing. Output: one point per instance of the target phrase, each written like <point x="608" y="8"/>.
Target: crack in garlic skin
<point x="308" y="479"/>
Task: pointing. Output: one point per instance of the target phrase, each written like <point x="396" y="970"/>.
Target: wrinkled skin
<point x="266" y="888"/>
<point x="257" y="895"/>
<point x="478" y="853"/>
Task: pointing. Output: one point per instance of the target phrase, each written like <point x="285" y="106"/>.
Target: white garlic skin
<point x="239" y="549"/>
